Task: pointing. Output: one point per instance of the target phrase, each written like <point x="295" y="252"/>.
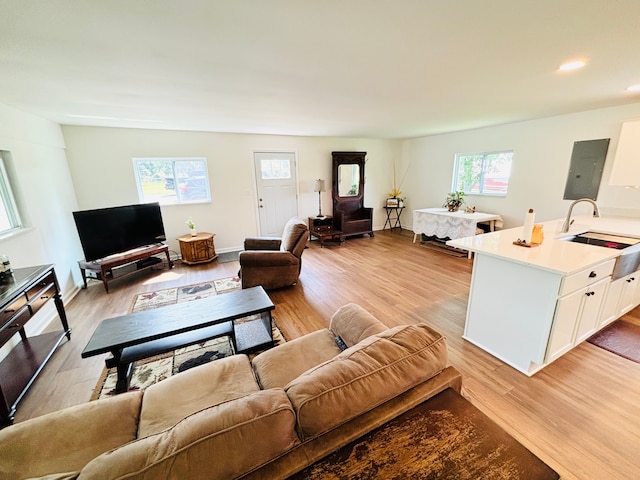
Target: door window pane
<point x="275" y="169"/>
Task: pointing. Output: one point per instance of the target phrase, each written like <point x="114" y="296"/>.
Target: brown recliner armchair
<point x="274" y="262"/>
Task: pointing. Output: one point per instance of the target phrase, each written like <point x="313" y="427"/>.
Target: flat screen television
<point x="106" y="231"/>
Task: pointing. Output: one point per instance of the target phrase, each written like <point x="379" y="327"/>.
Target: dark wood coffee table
<point x="141" y="335"/>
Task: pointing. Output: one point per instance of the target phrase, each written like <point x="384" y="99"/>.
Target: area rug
<point x="444" y="438"/>
<point x="186" y="293"/>
<point x="621" y="338"/>
<point x="152" y="370"/>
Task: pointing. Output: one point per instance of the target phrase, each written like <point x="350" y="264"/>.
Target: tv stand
<point x="131" y="261"/>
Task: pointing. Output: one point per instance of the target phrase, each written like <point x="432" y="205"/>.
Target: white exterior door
<point x="276" y="186"/>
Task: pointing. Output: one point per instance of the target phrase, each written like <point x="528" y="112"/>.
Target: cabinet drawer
<point x="9" y="329"/>
<point x="36" y="290"/>
<point x="12" y="309"/>
<point x="586" y="277"/>
<point x="42" y="297"/>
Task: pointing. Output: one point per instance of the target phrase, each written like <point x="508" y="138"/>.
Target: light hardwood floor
<point x="581" y="415"/>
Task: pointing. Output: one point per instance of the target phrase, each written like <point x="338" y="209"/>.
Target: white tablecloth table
<point x="443" y="223"/>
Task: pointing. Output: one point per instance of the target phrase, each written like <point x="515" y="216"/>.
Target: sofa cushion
<point x="352" y="323"/>
<point x="169" y="401"/>
<point x="42" y="446"/>
<point x="220" y="442"/>
<point x="278" y="366"/>
<point x="364" y="376"/>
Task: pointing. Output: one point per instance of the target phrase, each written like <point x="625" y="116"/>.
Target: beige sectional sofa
<point x="236" y="418"/>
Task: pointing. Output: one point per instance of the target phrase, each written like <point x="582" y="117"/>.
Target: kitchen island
<point x="529" y="306"/>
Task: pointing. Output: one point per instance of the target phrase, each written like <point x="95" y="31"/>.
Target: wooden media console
<point x="131" y="261"/>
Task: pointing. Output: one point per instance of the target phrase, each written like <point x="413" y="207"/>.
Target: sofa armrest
<point x="266" y="258"/>
<point x="262" y="243"/>
<point x="67" y="440"/>
<point x="353" y="323"/>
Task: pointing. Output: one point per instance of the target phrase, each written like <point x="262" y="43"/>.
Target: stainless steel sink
<point x="604" y="240"/>
<point x="628" y="261"/>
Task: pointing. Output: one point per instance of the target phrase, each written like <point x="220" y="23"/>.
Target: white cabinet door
<point x="564" y="325"/>
<point x="592" y="299"/>
<point x="611" y="306"/>
<point x="576" y="318"/>
<point x="628" y="294"/>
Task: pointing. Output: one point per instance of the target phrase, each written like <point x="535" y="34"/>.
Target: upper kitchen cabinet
<point x="626" y="164"/>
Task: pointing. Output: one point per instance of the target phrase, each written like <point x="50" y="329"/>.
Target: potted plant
<point x="192" y="227"/>
<point x="454" y="201"/>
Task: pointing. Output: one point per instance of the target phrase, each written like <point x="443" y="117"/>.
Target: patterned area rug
<point x="444" y="438"/>
<point x="149" y="371"/>
<point x="621" y="338"/>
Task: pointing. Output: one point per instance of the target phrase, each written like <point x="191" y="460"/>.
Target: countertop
<point x="553" y="254"/>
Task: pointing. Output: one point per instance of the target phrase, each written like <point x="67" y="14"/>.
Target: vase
<point x="453" y="208"/>
<point x="193" y="232"/>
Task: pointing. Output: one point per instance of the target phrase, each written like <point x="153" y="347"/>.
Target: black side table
<point x="393" y="217"/>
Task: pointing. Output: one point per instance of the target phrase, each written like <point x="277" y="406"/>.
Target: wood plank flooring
<point x="581" y="415"/>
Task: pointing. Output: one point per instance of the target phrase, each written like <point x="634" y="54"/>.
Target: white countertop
<point x="553" y="254"/>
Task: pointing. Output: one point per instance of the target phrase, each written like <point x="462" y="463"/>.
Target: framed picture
<point x="392" y="202"/>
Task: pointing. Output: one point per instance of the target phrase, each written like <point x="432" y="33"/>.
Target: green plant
<point x="190" y="224"/>
<point x="454" y="200"/>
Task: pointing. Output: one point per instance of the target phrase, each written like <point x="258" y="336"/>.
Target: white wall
<point x="542" y="154"/>
<point x="44" y="191"/>
<point x="42" y="185"/>
<point x="100" y="161"/>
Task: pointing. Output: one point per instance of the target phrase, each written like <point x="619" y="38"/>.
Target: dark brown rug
<point x="444" y="438"/>
<point x="621" y="338"/>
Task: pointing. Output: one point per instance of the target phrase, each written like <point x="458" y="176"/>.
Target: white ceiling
<point x="356" y="68"/>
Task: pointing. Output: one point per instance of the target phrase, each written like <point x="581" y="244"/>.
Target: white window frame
<point x="10" y="210"/>
<point x="485" y="160"/>
<point x="179" y="195"/>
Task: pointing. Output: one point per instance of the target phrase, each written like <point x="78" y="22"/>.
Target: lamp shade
<point x="319" y="186"/>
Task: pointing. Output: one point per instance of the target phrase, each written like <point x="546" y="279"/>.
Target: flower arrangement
<point x="190" y="224"/>
<point x="395" y="193"/>
<point x="454" y="201"/>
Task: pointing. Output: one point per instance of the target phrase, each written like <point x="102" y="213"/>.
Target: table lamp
<point x="319" y="188"/>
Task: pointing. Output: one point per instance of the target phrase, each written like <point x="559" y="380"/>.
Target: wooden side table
<point x="197" y="249"/>
<point x="322" y="228"/>
<point x="391" y="221"/>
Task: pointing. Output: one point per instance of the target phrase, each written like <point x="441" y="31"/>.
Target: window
<point x="9" y="215"/>
<point x="482" y="173"/>
<point x="171" y="181"/>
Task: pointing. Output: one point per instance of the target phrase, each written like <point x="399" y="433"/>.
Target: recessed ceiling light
<point x="634" y="88"/>
<point x="572" y="65"/>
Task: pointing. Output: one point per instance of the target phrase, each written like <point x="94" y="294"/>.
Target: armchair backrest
<point x="295" y="236"/>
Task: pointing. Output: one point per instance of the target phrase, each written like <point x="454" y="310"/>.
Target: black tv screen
<point x="106" y="231"/>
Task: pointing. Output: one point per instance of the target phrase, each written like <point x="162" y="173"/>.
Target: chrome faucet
<point x="567" y="223"/>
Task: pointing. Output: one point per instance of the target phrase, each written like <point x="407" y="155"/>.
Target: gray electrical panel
<point x="585" y="171"/>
